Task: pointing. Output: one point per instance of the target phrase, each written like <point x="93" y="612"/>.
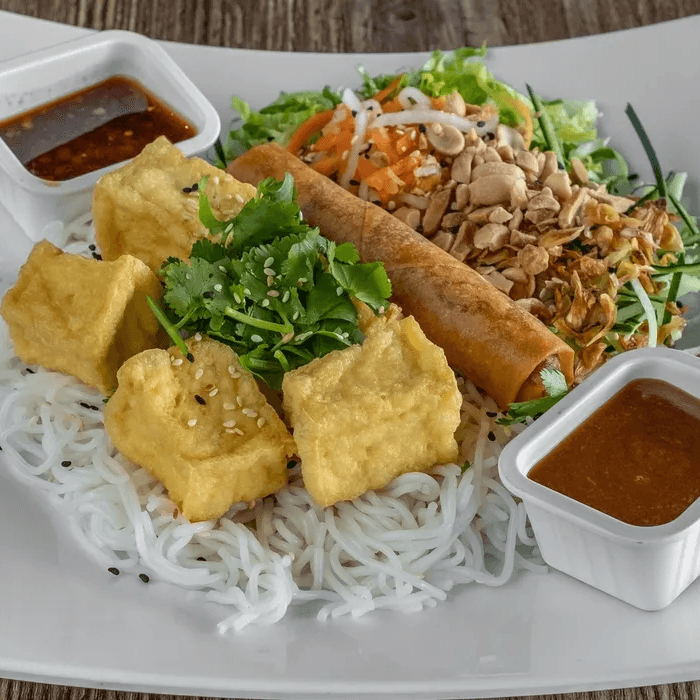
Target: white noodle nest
<point x="401" y="548"/>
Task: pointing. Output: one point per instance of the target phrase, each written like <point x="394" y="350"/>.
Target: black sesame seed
<point x="491" y="436"/>
<point x="354" y="182"/>
<point x="491" y="135"/>
<point x="92" y="246"/>
<point x="208" y="295"/>
<point x="97" y="256"/>
<point x="419" y="228"/>
<point x="144" y="578"/>
<point x="370" y="108"/>
<point x="422" y="128"/>
<point x="200" y="400"/>
<point x="84" y="405"/>
<point x="480" y="123"/>
<point x="113" y="570"/>
<point x="190" y="357"/>
<point x="30" y="370"/>
<point x="443" y="163"/>
<point x="201" y="559"/>
<point x="66" y="463"/>
<point x="491" y="414"/>
<point x="195" y="187"/>
<point x="94" y="408"/>
<point x="455" y="229"/>
<point x="291" y="464"/>
<point x="270" y="138"/>
<point x="186" y="190"/>
<point x="354" y="112"/>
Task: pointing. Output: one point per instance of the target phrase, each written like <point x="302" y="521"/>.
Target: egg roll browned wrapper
<point x="497" y="345"/>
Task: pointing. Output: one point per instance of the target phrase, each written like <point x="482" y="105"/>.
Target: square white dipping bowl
<point x="47" y="75"/>
<point x="647" y="567"/>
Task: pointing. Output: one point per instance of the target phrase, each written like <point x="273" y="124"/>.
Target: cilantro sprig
<point x="270" y="286"/>
<point x="554" y="384"/>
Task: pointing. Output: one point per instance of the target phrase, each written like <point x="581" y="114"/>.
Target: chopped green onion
<point x="649" y="149"/>
<point x="547" y="127"/>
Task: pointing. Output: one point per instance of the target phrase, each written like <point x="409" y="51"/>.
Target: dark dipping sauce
<point x="79" y="133"/>
<point x="637" y="458"/>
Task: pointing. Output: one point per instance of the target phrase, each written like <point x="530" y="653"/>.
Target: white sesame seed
<point x="197" y="336"/>
<point x="273" y="293"/>
<point x="256" y="338"/>
<point x="295" y="316"/>
<point x="285" y="296"/>
<point x="251" y="505"/>
<point x="236" y="298"/>
<point x="239" y="400"/>
<point x="216" y="179"/>
<point x="381" y="310"/>
<point x="230" y="424"/>
<point x="246" y="291"/>
<point x="238" y="431"/>
<point x="250" y="413"/>
<point x="268" y="271"/>
<point x="265" y="303"/>
<point x="339" y="291"/>
<point x="192" y="422"/>
<point x="269" y="262"/>
<point x="270" y="280"/>
<point x="229" y="407"/>
<point x="217" y="287"/>
<point x="222" y="268"/>
<point x="177" y="361"/>
<point x="231" y="369"/>
<point x="214" y="392"/>
<point x="261" y="422"/>
<point x="230" y="431"/>
<point x="236" y="375"/>
<point x="199" y="373"/>
<point x="239" y="198"/>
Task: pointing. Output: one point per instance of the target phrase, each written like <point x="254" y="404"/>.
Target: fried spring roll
<point x="497" y="345"/>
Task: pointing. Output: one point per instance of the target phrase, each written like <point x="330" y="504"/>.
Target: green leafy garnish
<point x="554" y="384"/>
<point x="270" y="286"/>
<point x="550" y="136"/>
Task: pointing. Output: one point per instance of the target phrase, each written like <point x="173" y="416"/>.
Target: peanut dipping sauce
<point x="84" y="131"/>
<point x="637" y="458"/>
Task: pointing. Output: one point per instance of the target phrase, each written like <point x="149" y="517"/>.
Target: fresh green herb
<point x="270" y="286"/>
<point x="648" y="149"/>
<point x="546" y="126"/>
<point x="554" y="384"/>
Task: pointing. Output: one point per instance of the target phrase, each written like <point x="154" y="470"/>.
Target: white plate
<point x="65" y="620"/>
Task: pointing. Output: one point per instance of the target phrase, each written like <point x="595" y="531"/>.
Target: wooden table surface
<point x="349" y="26"/>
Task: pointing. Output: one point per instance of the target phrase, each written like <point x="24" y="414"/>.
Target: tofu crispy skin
<point x="366" y="414"/>
<point x="203" y="428"/>
<point x="82" y="317"/>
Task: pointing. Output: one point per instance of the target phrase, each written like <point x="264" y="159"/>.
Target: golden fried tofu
<point x="145" y="208"/>
<point x="82" y="316"/>
<point x="363" y="415"/>
<point x="203" y="428"/>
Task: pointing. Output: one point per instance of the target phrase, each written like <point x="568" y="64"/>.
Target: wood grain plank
<point x="350" y="26"/>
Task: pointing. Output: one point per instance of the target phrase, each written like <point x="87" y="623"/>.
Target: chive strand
<point x="545" y="123"/>
<point x="649" y="150"/>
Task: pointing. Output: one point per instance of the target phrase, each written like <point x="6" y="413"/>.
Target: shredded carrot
<point x="392" y="106"/>
<point x="334" y="142"/>
<point x="388" y="90"/>
<point x="365" y="169"/>
<point x="307" y="129"/>
<point x="385" y="143"/>
<point x="328" y="165"/>
<point x="438" y="103"/>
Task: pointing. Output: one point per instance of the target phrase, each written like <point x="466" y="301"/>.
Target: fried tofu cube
<point x="203" y="428"/>
<point x="146" y="208"/>
<point x="363" y="415"/>
<point x="82" y="316"/>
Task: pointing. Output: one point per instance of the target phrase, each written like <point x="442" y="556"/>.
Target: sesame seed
<point x="214" y="392"/>
<point x="491" y="414"/>
<point x="201" y="559"/>
<point x="198" y="374"/>
<point x="92" y="246"/>
<point x="236" y="375"/>
<point x="270" y="280"/>
<point x="113" y="570"/>
<point x="238" y="431"/>
<point x="144" y="578"/>
<point x="217" y="287"/>
<point x="177" y="361"/>
<point x="273" y="293"/>
<point x="236" y="298"/>
<point x="265" y="303"/>
<point x="491" y="436"/>
<point x="344" y="156"/>
<point x="339" y="291"/>
<point x="229" y="407"/>
<point x="256" y="338"/>
<point x="239" y="198"/>
<point x="230" y="424"/>
<point x="251" y="505"/>
<point x="199" y="400"/>
<point x="216" y="179"/>
<point x="231" y="369"/>
<point x="269" y="262"/>
<point x="354" y="182"/>
<point x="285" y="296"/>
<point x="250" y="413"/>
<point x="239" y="400"/>
<point x="66" y="463"/>
<point x="261" y="422"/>
<point x="192" y="422"/>
<point x="295" y="316"/>
<point x="422" y="128"/>
<point x="198" y="336"/>
<point x="230" y="431"/>
<point x="269" y="272"/>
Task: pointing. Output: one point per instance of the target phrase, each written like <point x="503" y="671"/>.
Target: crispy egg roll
<point x="497" y="345"/>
